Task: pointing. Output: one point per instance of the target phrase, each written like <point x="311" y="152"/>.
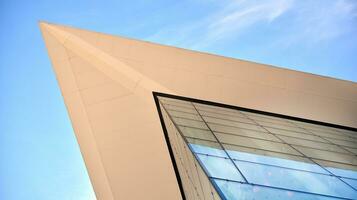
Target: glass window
<point x="295" y="180"/>
<point x="248" y="155"/>
<point x="186" y="115"/>
<point x="207" y="147"/>
<point x="282" y="126"/>
<point x="226" y="117"/>
<point x="189" y="123"/>
<point x="302" y="164"/>
<point x="328" y="155"/>
<point x="196" y="133"/>
<point x="313" y="144"/>
<point x="295" y="134"/>
<point x="238" y="125"/>
<point x="243" y="132"/>
<point x="255" y="143"/>
<point x="352" y="182"/>
<point x="180" y="108"/>
<point x="234" y="191"/>
<point x="231" y="112"/>
<point x="215" y="166"/>
<point x="339" y="169"/>
<point x="339" y="136"/>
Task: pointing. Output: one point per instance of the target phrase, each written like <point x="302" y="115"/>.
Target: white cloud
<point x="315" y="22"/>
<point x="309" y="20"/>
<point x="326" y="21"/>
<point x="240" y="15"/>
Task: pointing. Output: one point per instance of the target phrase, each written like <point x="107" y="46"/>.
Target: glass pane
<point x="281" y="126"/>
<point x="336" y="135"/>
<point x="180" y="114"/>
<point x="339" y="169"/>
<point x="237" y="191"/>
<point x="189" y="123"/>
<point x="312" y="144"/>
<point x="220" y="168"/>
<point x="264" y="153"/>
<point x="197" y="133"/>
<point x="234" y="123"/>
<point x="352" y="150"/>
<point x="180" y="108"/>
<point x="226" y="117"/>
<point x="351" y="182"/>
<point x="263" y="117"/>
<point x="270" y="120"/>
<point x="239" y="125"/>
<point x="255" y="143"/>
<point x="328" y="155"/>
<point x="346" y="143"/>
<point x="295" y="180"/>
<point x="295" y="134"/>
<point x="288" y="163"/>
<point x="220" y="110"/>
<point x="207" y="147"/>
<point x="175" y="102"/>
<point x="243" y="132"/>
<point x="343" y="172"/>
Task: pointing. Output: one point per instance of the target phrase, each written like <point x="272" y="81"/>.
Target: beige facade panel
<point x="107" y="83"/>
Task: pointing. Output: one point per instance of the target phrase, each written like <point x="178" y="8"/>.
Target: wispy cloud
<point x="311" y="20"/>
<point x="319" y="21"/>
<point x="235" y="17"/>
<point x="315" y="22"/>
<point x="241" y="15"/>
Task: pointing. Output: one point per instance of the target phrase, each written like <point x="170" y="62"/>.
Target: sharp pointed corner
<point x="43" y="25"/>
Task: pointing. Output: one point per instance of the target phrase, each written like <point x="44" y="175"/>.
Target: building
<point x="159" y="122"/>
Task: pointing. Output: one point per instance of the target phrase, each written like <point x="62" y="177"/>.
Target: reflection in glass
<point x="343" y="172"/>
<point x="214" y="166"/>
<point x="255" y="156"/>
<point x="295" y="180"/>
<point x="234" y="191"/>
<point x="212" y="148"/>
<point x="277" y="161"/>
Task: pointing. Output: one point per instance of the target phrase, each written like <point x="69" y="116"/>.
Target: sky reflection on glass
<point x="246" y="160"/>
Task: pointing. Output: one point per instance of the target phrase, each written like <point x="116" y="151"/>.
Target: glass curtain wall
<point x="226" y="153"/>
<point x="195" y="183"/>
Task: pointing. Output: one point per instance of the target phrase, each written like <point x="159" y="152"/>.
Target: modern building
<point x="158" y="122"/>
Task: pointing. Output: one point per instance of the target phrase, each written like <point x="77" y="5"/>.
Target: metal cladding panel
<point x="107" y="84"/>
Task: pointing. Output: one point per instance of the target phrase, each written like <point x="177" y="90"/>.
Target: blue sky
<point x="39" y="156"/>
